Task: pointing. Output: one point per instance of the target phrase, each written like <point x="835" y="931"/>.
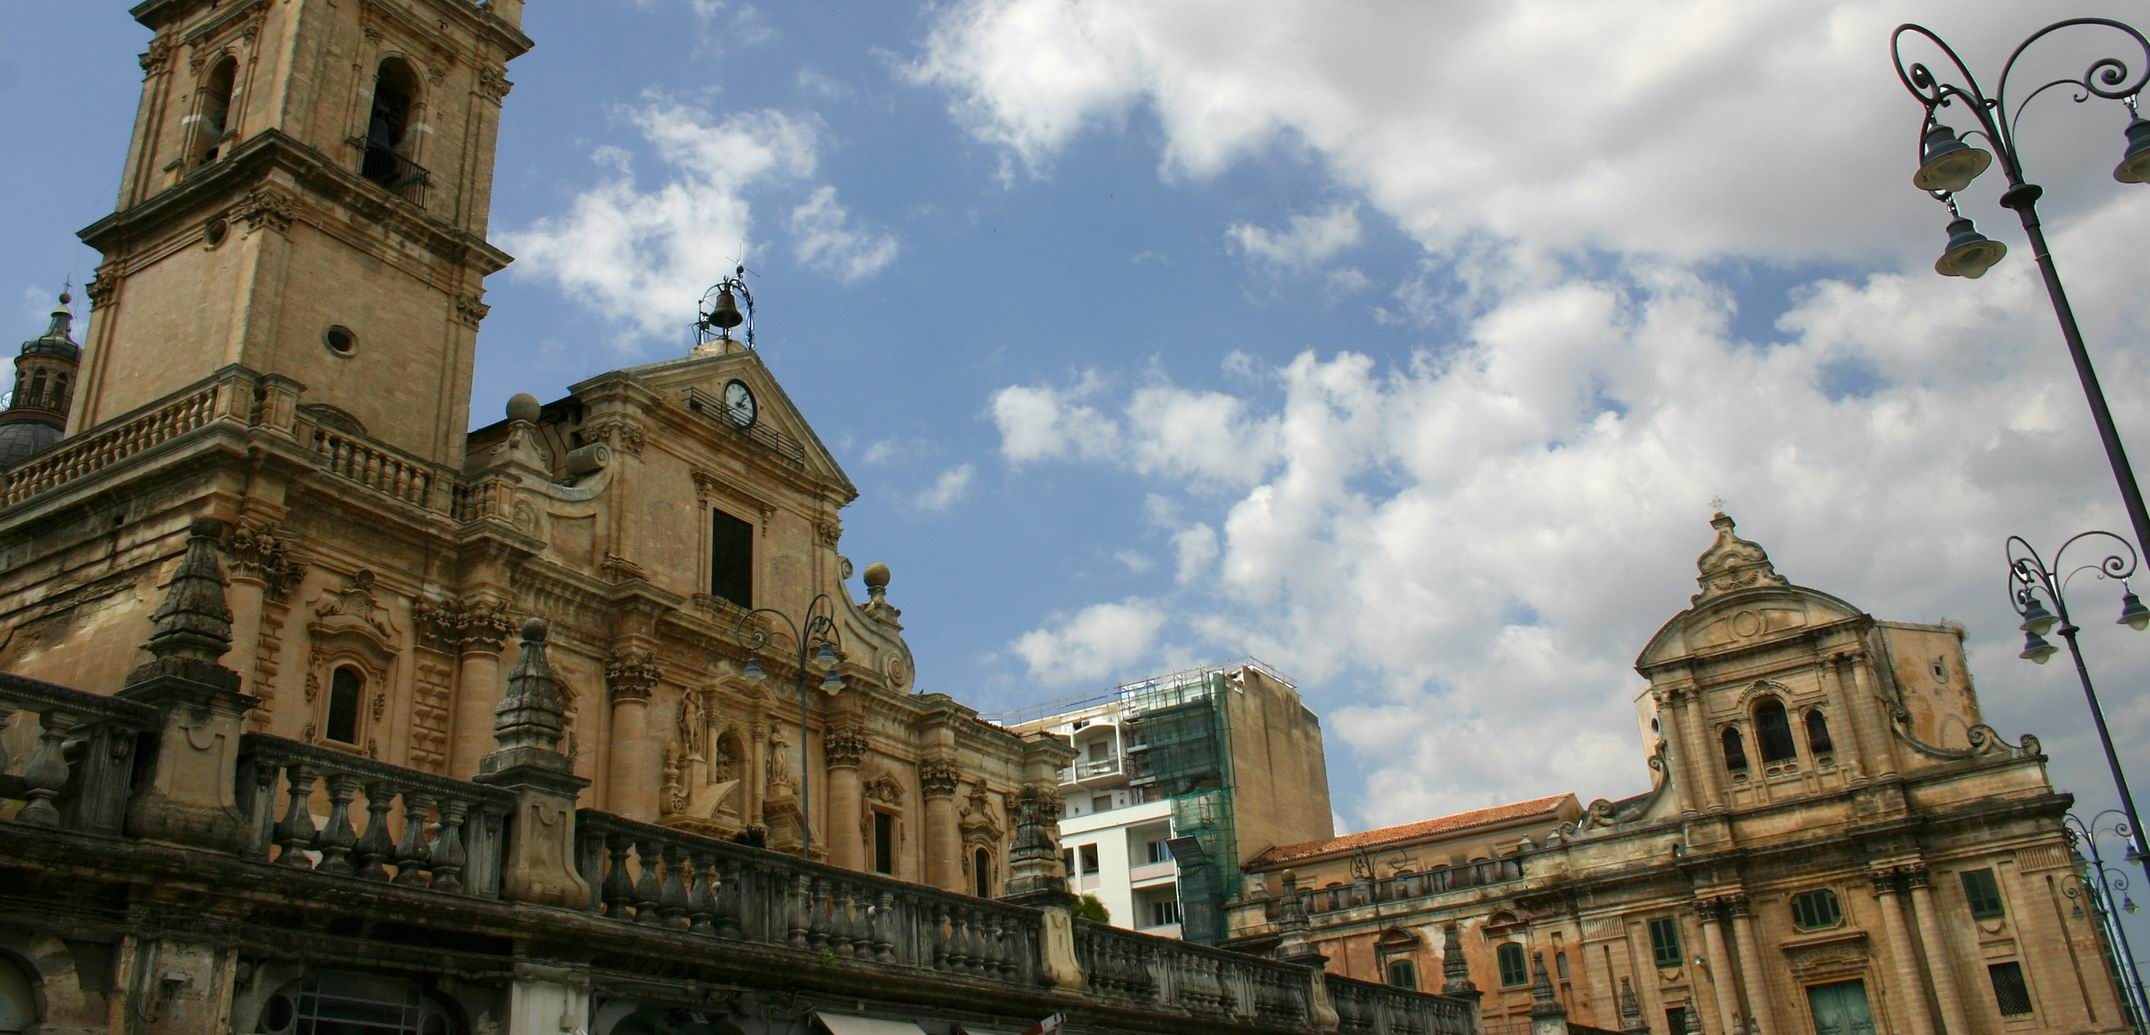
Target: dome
<point x="23" y="439"/>
<point x="57" y="339"/>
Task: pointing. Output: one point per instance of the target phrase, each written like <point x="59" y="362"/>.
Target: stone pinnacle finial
<point x="1455" y="970"/>
<point x="191" y="629"/>
<point x="1542" y="1002"/>
<point x="1630" y="1009"/>
<point x="529" y="723"/>
<point x="1732" y="564"/>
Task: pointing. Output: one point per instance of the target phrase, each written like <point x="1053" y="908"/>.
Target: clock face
<point x="739" y="402"/>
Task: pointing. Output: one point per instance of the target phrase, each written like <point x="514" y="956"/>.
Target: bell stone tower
<point x="306" y="195"/>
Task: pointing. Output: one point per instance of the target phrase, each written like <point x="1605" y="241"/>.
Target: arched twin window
<point x="981" y="871"/>
<point x="219" y="89"/>
<point x="344" y="686"/>
<point x="1773" y="732"/>
<point x="1818" y="742"/>
<point x="1735" y="751"/>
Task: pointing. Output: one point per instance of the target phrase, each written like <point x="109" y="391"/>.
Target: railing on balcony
<point x="1363" y="1006"/>
<point x="388" y="471"/>
<point x="663" y="878"/>
<point x="68" y="756"/>
<point x="420" y="830"/>
<point x="1406" y="886"/>
<point x="403" y="178"/>
<point x="782" y="447"/>
<point x="1205" y="982"/>
<point x="227" y="394"/>
<point x="1091" y="769"/>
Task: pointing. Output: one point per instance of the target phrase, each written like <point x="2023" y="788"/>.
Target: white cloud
<point x="946" y="490"/>
<point x="813" y="81"/>
<point x="890" y="450"/>
<point x="1092" y="646"/>
<point x="1305" y="242"/>
<point x="1196" y="549"/>
<point x="1134" y="561"/>
<point x="1038" y="422"/>
<point x="826" y="238"/>
<point x="631" y="251"/>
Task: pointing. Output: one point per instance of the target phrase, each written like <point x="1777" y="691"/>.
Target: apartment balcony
<point x="1150" y="874"/>
<point x="1089" y="772"/>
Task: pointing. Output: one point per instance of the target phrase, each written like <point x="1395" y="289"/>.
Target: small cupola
<point x="45" y="368"/>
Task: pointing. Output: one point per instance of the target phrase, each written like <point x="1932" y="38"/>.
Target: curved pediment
<point x="1749" y="616"/>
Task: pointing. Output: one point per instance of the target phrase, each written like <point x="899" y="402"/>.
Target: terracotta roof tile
<point x="1415" y="831"/>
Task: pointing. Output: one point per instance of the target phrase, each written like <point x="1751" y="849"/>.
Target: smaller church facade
<point x="1834" y="842"/>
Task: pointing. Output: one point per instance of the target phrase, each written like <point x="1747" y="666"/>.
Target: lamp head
<point x="1948" y="163"/>
<point x="2036" y="619"/>
<point x="2127" y="905"/>
<point x="2036" y="649"/>
<point x="2132" y="612"/>
<point x="753" y="671"/>
<point x="2134" y="166"/>
<point x="2078" y="911"/>
<point x="1969" y="254"/>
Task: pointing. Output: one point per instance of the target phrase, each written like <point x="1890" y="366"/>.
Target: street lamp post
<point x="2032" y="585"/>
<point x="1947" y="164"/>
<point x="2110" y="889"/>
<point x="815" y="636"/>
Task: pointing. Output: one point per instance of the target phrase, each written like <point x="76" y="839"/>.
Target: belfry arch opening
<point x="390" y="142"/>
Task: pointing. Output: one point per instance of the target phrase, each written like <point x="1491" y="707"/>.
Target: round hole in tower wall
<point x="340" y="340"/>
<point x="213" y="234"/>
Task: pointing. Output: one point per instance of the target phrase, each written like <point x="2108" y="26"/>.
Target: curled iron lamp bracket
<point x="2029" y="578"/>
<point x="2107" y="77"/>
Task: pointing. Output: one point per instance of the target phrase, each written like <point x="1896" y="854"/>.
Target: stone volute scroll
<point x="191" y="794"/>
<point x="527" y="730"/>
<point x="1732" y="564"/>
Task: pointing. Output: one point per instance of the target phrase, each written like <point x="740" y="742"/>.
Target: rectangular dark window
<point x="1812" y="910"/>
<point x="2009" y="991"/>
<point x="1089" y="858"/>
<point x="884" y="843"/>
<point x="1164" y="911"/>
<point x="1159" y="853"/>
<point x="1665" y="942"/>
<point x="1675" y="1019"/>
<point x="1067" y="860"/>
<point x="1101" y="803"/>
<point x="1513" y="970"/>
<point x="731" y="559"/>
<point x="1983" y="893"/>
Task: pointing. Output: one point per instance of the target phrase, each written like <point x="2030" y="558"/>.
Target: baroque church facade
<point x="1833" y="842"/>
<point x="284" y="328"/>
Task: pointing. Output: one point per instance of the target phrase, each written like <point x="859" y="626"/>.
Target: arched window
<point x="981" y="870"/>
<point x="388" y="137"/>
<point x="339" y="1002"/>
<point x="343" y="692"/>
<point x="1773" y="732"/>
<point x="218" y="90"/>
<point x="1514" y="971"/>
<point x="1403" y="974"/>
<point x="37" y="388"/>
<point x="1735" y="751"/>
<point x="18" y="999"/>
<point x="1818" y="733"/>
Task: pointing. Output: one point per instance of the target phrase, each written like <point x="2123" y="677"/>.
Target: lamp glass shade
<point x="2036" y="619"/>
<point x="826" y="656"/>
<point x="2132" y="612"/>
<point x="832" y="683"/>
<point x="1949" y="164"/>
<point x="2037" y="649"/>
<point x="1969" y="253"/>
<point x="753" y="669"/>
<point x="2134" y="166"/>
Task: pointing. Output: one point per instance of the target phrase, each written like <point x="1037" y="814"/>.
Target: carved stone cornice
<point x="156" y="57"/>
<point x="99" y="289"/>
<point x="844" y="744"/>
<point x="266" y="207"/>
<point x="470" y="308"/>
<point x="618" y="432"/>
<point x="938" y="777"/>
<point x="1916" y="876"/>
<point x="1737" y="905"/>
<point x="493" y="83"/>
<point x="1886" y="881"/>
<point x="452" y="627"/>
<point x="631" y="675"/>
<point x="258" y="553"/>
<point x="1708" y="910"/>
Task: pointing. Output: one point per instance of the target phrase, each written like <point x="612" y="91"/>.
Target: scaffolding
<point x="1182" y="751"/>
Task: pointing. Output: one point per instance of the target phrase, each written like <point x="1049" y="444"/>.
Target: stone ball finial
<point x="524" y="407"/>
<point x="534" y="631"/>
<point x="876" y="576"/>
<point x="66" y="297"/>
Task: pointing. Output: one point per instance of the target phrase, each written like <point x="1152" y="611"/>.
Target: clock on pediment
<point x="739" y="402"/>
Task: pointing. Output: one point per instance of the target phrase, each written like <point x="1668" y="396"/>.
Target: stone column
<point x="944" y="844"/>
<point x="843" y="747"/>
<point x="547" y="1000"/>
<point x="634" y="766"/>
<point x="1846" y="722"/>
<point x="1881" y="750"/>
<point x="1910" y="986"/>
<point x="483" y="631"/>
<point x="1701" y="755"/>
<point x="260" y="569"/>
<point x="1721" y="978"/>
<point x="1671" y="728"/>
<point x="1940" y="963"/>
<point x="1759" y="1004"/>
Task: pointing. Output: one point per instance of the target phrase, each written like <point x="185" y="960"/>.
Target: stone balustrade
<point x="1362" y="1006"/>
<point x="1402" y="886"/>
<point x="1206" y="983"/>
<point x="227" y="394"/>
<point x="665" y="878"/>
<point x="454" y="846"/>
<point x="374" y="465"/>
<point x="68" y="756"/>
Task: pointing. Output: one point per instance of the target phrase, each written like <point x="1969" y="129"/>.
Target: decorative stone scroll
<point x="1732" y="564"/>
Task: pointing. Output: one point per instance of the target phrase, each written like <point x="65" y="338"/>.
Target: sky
<point x="1403" y="346"/>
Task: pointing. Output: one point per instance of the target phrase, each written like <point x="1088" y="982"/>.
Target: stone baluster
<point x="884" y="928"/>
<point x="701" y="903"/>
<point x="843" y="920"/>
<point x="45" y="774"/>
<point x="798" y="907"/>
<point x="295" y="832"/>
<point x="618" y="890"/>
<point x="940" y="937"/>
<point x="447" y="848"/>
<point x="649" y="887"/>
<point x="730" y="898"/>
<point x="335" y="838"/>
<point x="375" y="849"/>
<point x="672" y="900"/>
<point x="261" y="809"/>
<point x="412" y="854"/>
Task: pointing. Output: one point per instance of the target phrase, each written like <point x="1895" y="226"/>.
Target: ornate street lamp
<point x="1948" y="163"/>
<point x="2105" y="890"/>
<point x="816" y="637"/>
<point x="2031" y="587"/>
